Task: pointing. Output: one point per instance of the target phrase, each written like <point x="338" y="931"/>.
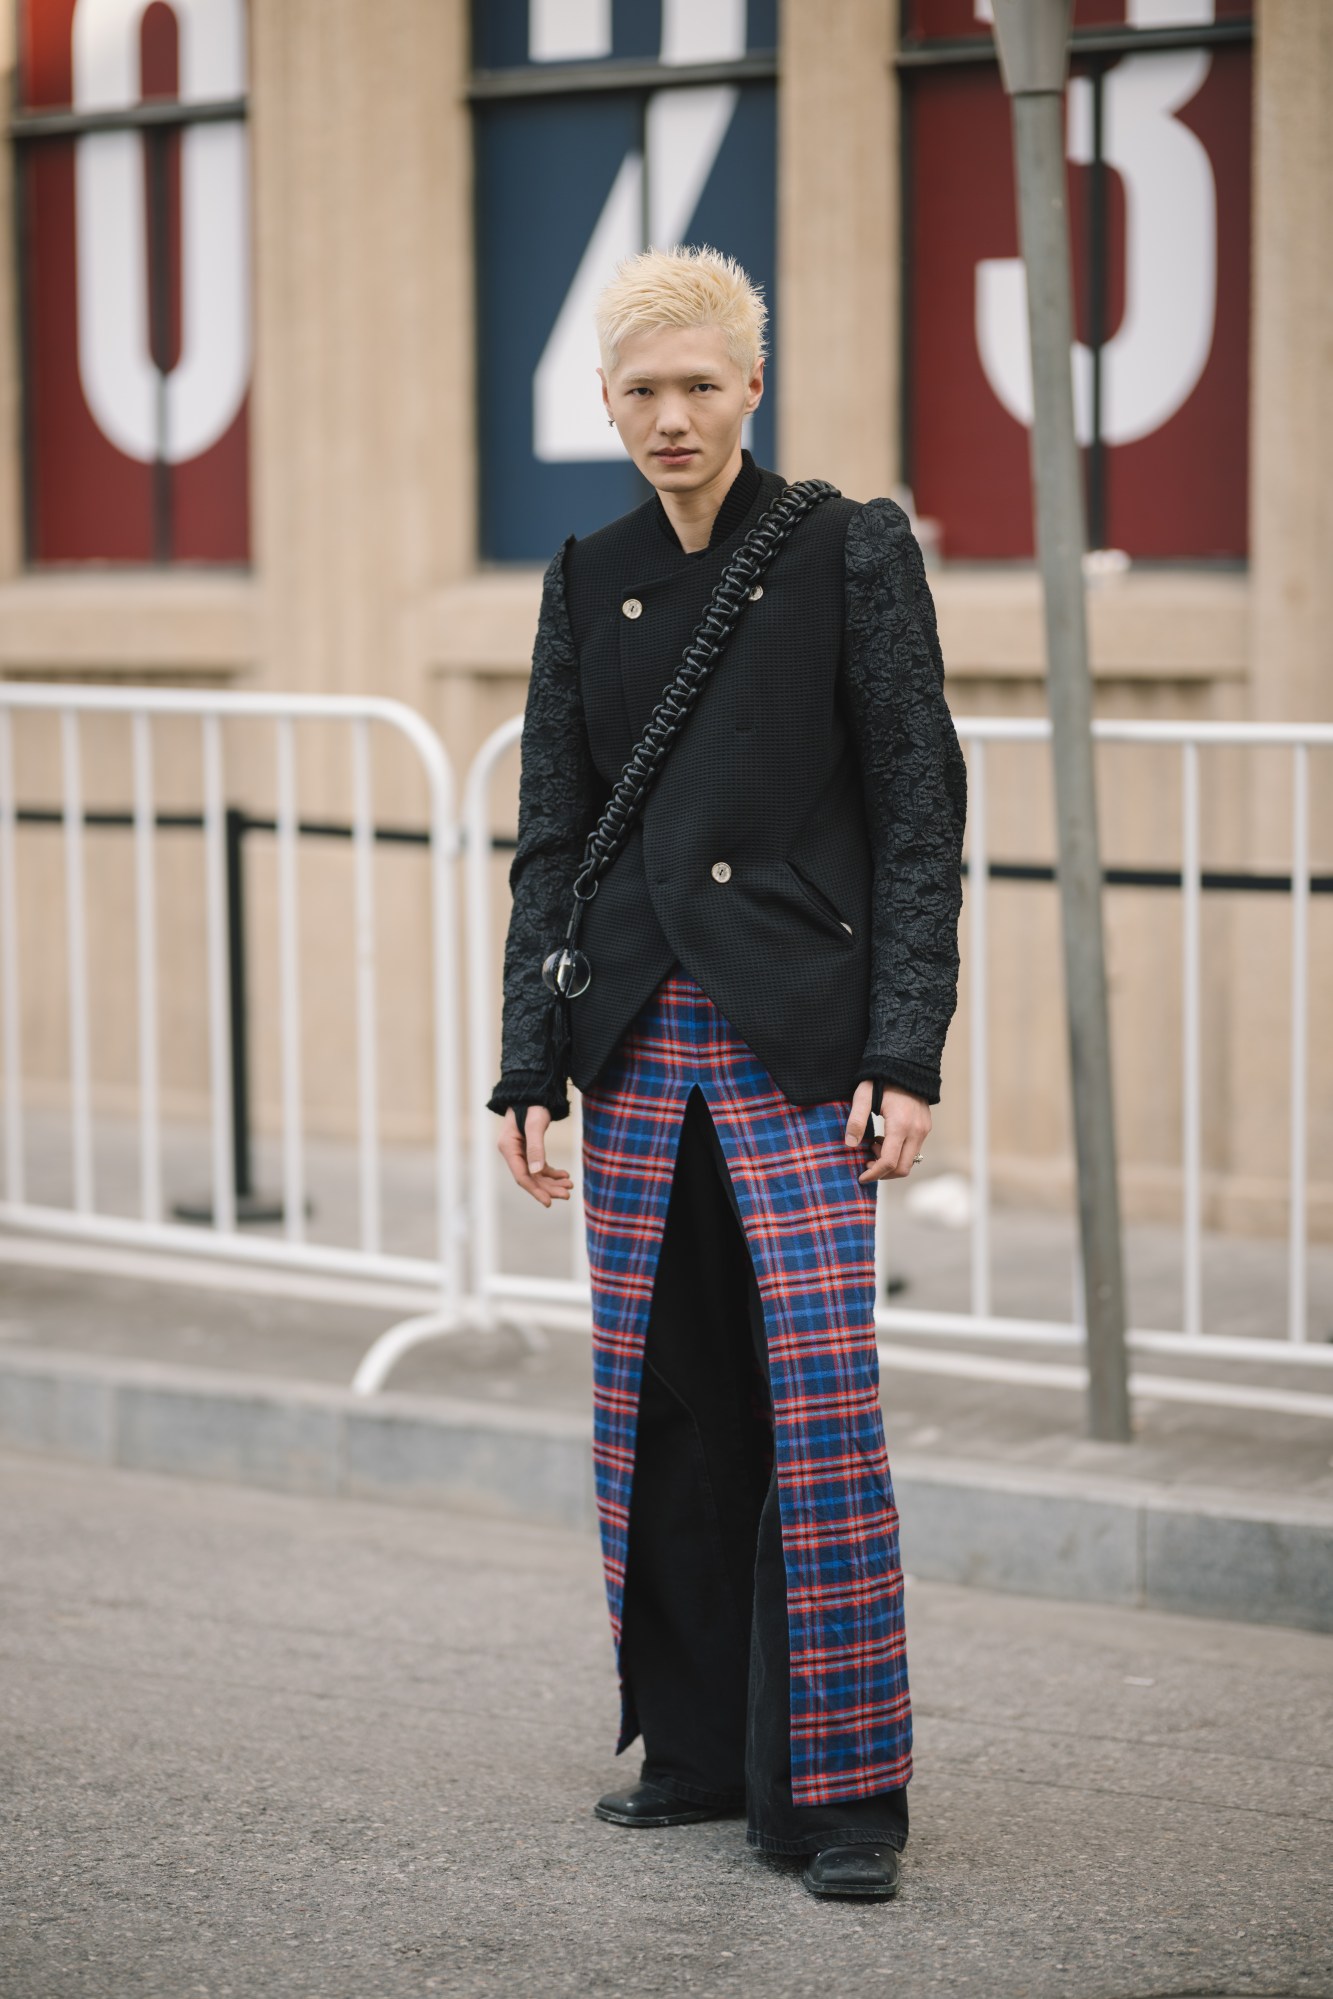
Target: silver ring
<point x="919" y="1157"/>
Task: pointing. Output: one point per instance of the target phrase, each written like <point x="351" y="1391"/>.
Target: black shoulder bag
<point x="566" y="971"/>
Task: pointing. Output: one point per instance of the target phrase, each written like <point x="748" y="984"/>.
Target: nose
<point x="673" y="417"/>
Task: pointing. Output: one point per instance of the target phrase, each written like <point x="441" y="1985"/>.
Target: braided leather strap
<point x="701" y="655"/>
<point x="566" y="970"/>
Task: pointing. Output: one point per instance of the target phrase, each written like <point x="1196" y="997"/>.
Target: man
<point x="773" y="948"/>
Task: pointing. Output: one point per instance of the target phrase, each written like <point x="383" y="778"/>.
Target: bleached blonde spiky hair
<point x="683" y="286"/>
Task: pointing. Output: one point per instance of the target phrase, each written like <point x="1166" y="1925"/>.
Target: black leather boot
<point x="871" y="1873"/>
<point x="645" y="1804"/>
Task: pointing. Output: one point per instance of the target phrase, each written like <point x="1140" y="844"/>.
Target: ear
<point x="754" y="388"/>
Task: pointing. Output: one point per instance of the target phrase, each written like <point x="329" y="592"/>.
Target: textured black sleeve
<point x="560" y="794"/>
<point x="915" y="783"/>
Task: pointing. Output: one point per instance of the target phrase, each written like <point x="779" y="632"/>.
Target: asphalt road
<point x="265" y="1748"/>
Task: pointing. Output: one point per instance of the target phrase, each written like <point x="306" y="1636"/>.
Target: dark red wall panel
<point x="1177" y="492"/>
<point x="88" y="499"/>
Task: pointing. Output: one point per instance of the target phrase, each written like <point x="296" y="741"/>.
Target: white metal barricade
<point x="438" y="1277"/>
<point x="557" y="1298"/>
<point x="492" y="1292"/>
<point x="495" y="1295"/>
<point x="1190" y="738"/>
<point x="552" y="1299"/>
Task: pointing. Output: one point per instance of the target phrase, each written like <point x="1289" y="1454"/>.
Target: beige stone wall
<point x="1291" y="658"/>
<point x="838" y="245"/>
<point x="365" y="579"/>
<point x="362" y="449"/>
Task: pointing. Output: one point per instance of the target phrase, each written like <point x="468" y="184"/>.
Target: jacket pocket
<point x="823" y="903"/>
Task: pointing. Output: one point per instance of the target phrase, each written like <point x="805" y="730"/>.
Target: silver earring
<point x="611" y="420"/>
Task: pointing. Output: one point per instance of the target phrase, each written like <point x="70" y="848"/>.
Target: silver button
<point x="722" y="871"/>
<point x="632" y="607"/>
<point x="758" y="591"/>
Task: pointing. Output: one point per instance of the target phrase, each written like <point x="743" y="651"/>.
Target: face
<point x="679" y="401"/>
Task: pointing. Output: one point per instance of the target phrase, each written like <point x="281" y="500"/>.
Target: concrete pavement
<point x="1221" y="1510"/>
<point x="54" y="1307"/>
<point x="264" y="1747"/>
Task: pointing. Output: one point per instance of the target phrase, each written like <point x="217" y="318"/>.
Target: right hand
<point x="524" y="1153"/>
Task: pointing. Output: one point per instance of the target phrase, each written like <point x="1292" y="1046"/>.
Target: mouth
<point x="672" y="456"/>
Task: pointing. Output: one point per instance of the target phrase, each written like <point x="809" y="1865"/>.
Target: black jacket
<point x="820" y="764"/>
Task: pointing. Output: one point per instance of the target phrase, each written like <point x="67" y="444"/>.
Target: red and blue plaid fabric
<point x="810" y="1226"/>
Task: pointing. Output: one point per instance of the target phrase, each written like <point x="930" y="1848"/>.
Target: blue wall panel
<point x="545" y="167"/>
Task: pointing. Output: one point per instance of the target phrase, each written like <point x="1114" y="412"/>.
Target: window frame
<point x="1099" y="48"/>
<point x="635" y="79"/>
<point x="33" y="127"/>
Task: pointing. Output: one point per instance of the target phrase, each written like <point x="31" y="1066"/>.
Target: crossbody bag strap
<point x="566" y="971"/>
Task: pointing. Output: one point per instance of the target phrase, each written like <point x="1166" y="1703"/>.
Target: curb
<point x="1037" y="1533"/>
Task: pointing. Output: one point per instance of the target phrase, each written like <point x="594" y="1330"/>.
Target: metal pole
<point x="246" y="1204"/>
<point x="1033" y="39"/>
<point x="236" y="998"/>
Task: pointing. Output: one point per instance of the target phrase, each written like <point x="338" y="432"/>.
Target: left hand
<point x="906" y="1128"/>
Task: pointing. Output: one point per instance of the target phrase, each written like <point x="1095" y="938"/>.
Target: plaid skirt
<point x="810" y="1224"/>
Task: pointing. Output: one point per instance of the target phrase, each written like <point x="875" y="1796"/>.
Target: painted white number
<point x="685" y="131"/>
<point x="565" y="30"/>
<point x="140" y="409"/>
<point x="1153" y="362"/>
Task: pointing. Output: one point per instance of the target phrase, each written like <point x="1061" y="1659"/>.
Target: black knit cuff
<point x="528" y="1086"/>
<point x="899" y="1073"/>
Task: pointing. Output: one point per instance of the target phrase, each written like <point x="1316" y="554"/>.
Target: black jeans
<point x="704" y="1640"/>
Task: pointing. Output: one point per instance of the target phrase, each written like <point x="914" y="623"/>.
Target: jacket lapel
<point x="670" y="605"/>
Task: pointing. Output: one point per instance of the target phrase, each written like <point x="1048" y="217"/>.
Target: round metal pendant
<point x="567" y="972"/>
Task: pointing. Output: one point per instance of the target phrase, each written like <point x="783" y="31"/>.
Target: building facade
<point x="299" y="393"/>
